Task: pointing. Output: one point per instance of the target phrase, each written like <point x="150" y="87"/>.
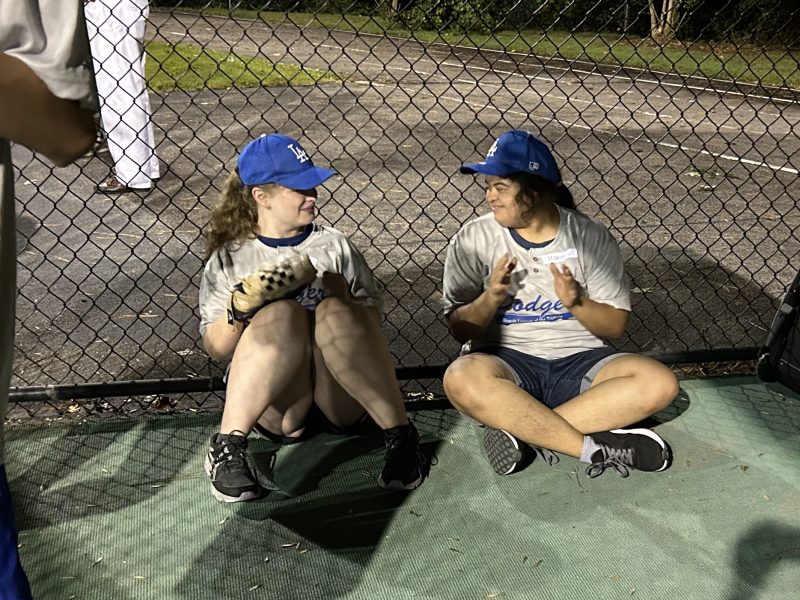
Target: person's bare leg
<point x="483" y="388"/>
<point x="271" y="369"/>
<point x="355" y="372"/>
<point x="358" y="357"/>
<point x="31" y="115"/>
<point x="625" y="390"/>
<point x="339" y="407"/>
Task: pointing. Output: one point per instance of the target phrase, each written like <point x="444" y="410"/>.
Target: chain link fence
<point x="676" y="125"/>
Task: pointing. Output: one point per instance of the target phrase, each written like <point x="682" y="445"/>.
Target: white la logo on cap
<point x="492" y="150"/>
<point x="299" y="153"/>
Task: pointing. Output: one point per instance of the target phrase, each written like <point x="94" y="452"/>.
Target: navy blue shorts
<point x="553" y="382"/>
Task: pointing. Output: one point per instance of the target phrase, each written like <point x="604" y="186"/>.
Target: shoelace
<point x="618" y="459"/>
<point x="546" y="455"/>
<point x="231" y="454"/>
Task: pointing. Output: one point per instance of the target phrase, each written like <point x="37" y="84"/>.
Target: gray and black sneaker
<point x="233" y="476"/>
<point x="507" y="454"/>
<point x="405" y="466"/>
<point x="625" y="449"/>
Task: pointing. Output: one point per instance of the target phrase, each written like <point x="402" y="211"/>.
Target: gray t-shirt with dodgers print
<point x="534" y="321"/>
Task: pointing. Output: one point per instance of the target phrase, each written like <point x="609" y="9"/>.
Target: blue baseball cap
<point x="277" y="158"/>
<point x="517" y="152"/>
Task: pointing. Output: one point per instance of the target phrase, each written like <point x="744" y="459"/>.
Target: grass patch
<point x="746" y="64"/>
<point x="189" y="68"/>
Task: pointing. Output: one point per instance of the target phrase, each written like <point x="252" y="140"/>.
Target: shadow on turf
<point x="83" y="474"/>
<point x="76" y="473"/>
<point x="758" y="552"/>
<point x="318" y="544"/>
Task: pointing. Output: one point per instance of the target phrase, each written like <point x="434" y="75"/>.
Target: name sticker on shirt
<point x="559" y="257"/>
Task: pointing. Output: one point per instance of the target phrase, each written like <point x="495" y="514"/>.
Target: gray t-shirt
<point x="534" y="320"/>
<point x="326" y="247"/>
<point x="49" y="36"/>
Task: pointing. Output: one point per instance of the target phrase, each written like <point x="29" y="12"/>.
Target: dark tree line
<point x="739" y="21"/>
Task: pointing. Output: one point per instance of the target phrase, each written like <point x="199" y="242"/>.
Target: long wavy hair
<point x="533" y="187"/>
<point x="234" y="218"/>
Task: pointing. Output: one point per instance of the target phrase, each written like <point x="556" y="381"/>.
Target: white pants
<point x="116" y="34"/>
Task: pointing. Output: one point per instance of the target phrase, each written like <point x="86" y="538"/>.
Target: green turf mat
<point x="118" y="511"/>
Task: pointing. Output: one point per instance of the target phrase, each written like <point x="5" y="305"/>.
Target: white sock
<point x="589" y="448"/>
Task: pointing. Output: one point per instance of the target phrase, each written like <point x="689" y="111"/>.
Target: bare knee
<point x="661" y="387"/>
<point x="333" y="308"/>
<point x="280" y="311"/>
<point x="461" y="383"/>
<point x="335" y="317"/>
<point x="281" y="321"/>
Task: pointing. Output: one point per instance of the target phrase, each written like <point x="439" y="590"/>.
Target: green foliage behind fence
<point x="756" y="21"/>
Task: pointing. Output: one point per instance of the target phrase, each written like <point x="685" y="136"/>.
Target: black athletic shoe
<point x="405" y="466"/>
<point x="233" y="476"/>
<point x="625" y="449"/>
<point x="507" y="454"/>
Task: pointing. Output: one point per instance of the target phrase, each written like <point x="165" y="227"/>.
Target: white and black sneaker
<point x="625" y="449"/>
<point x="233" y="476"/>
<point x="507" y="454"/>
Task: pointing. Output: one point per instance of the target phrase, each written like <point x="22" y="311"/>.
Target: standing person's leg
<point x="143" y="151"/>
<point x="102" y="40"/>
<point x="13" y="583"/>
<point x="124" y="103"/>
<point x="153" y="168"/>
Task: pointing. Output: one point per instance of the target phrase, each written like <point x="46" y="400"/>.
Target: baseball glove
<point x="272" y="281"/>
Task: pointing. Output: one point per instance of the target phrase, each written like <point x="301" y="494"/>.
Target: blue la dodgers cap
<point x="517" y="152"/>
<point x="277" y="158"/>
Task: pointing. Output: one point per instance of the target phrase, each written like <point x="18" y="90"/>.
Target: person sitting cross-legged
<point x="532" y="289"/>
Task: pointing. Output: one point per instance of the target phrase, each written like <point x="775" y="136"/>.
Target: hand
<point x="336" y="285"/>
<point x="500" y="279"/>
<point x="568" y="289"/>
<point x="272" y="281"/>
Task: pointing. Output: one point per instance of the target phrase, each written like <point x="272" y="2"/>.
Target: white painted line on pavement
<point x="745" y="161"/>
<point x="568" y="125"/>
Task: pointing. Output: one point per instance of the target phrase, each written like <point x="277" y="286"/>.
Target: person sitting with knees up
<point x="532" y="290"/>
<point x="296" y="310"/>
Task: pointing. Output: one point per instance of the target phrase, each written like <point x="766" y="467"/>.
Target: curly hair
<point x="234" y="218"/>
<point x="532" y="187"/>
